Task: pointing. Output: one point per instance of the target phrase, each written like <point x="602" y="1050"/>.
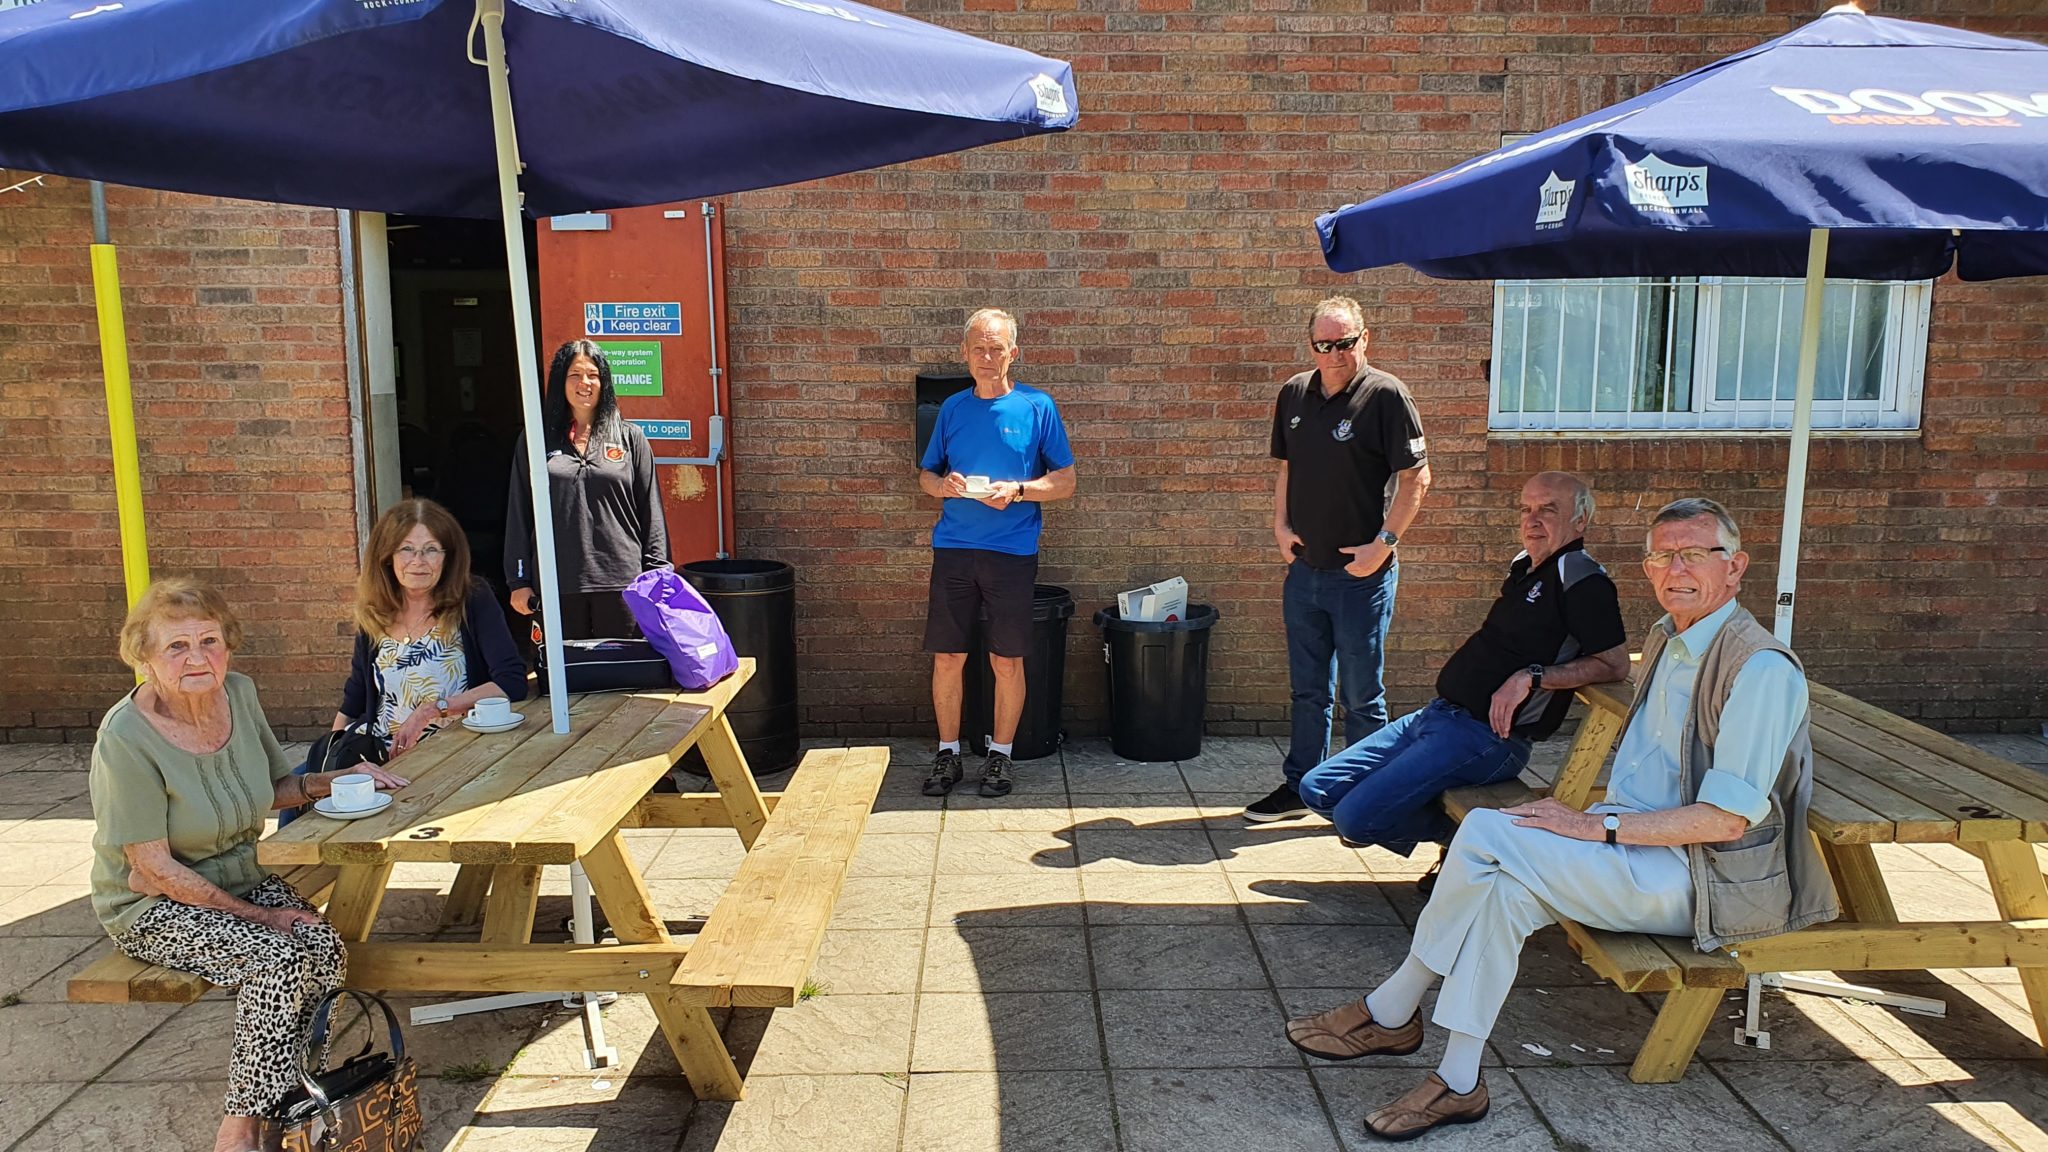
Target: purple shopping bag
<point x="682" y="627"/>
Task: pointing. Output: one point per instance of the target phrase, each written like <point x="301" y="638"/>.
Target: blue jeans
<point x="1383" y="789"/>
<point x="1336" y="635"/>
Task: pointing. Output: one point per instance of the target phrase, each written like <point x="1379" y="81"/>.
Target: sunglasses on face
<point x="1344" y="345"/>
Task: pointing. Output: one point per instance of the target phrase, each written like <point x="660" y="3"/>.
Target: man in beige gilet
<point x="1702" y="832"/>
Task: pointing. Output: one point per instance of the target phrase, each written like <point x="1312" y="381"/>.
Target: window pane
<point x="1758" y="357"/>
<point x="1620" y="305"/>
<point x="1581" y="341"/>
<point x="1685" y="304"/>
<point x="1539" y="384"/>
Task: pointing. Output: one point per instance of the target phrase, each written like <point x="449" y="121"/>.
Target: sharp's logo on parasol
<point x="1052" y="99"/>
<point x="1658" y="183"/>
<point x="1553" y="200"/>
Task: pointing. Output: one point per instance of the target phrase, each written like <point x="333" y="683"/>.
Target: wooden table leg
<point x="1858" y="882"/>
<point x="508" y="911"/>
<point x="1676" y="1035"/>
<point x="466" y="897"/>
<point x="735" y="782"/>
<point x="358" y="893"/>
<point x="2022" y="894"/>
<point x="1597" y="734"/>
<point x="615" y="881"/>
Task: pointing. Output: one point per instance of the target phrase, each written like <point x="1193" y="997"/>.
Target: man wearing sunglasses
<point x="1701" y="833"/>
<point x="1353" y="469"/>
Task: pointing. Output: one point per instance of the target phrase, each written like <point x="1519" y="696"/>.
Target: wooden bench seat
<point x="117" y="979"/>
<point x="1693" y="981"/>
<point x="757" y="947"/>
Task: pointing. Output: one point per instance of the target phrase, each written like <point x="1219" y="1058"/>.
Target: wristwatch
<point x="1388" y="538"/>
<point x="1535" y="677"/>
<point x="441" y="706"/>
<point x="1612" y="823"/>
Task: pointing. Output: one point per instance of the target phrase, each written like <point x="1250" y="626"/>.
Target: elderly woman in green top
<point x="183" y="771"/>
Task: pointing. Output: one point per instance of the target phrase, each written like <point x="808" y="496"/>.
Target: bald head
<point x="1556" y="509"/>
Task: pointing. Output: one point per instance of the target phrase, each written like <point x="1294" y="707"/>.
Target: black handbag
<point x="344" y="748"/>
<point x="620" y="665"/>
<point x="371" y="1103"/>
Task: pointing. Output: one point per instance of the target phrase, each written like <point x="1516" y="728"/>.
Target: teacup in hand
<point x="353" y="791"/>
<point x="978" y="488"/>
<point x="491" y="710"/>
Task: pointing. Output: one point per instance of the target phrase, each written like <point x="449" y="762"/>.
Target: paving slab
<point x="1108" y="811"/>
<point x="1006" y="1032"/>
<point x="1011" y="1111"/>
<point x="173" y="1115"/>
<point x="974" y="852"/>
<point x="1312" y="898"/>
<point x="1119" y="849"/>
<point x="1220" y="1029"/>
<point x="575" y="1114"/>
<point x="26" y="960"/>
<point x="825" y="1035"/>
<point x="1018" y="900"/>
<point x="1323" y="955"/>
<point x="1288" y="848"/>
<point x="1175" y="957"/>
<point x="46" y="1042"/>
<point x="2010" y="1096"/>
<point x="870" y="960"/>
<point x="882" y="902"/>
<point x="1175" y="896"/>
<point x="1875" y="1104"/>
<point x="1599" y="1108"/>
<point x="23" y="1106"/>
<point x="1233" y="1110"/>
<point x="841" y="1113"/>
<point x="1595" y="1017"/>
<point x="973" y="958"/>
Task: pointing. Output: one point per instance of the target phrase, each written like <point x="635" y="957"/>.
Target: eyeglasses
<point x="431" y="554"/>
<point x="1344" y="345"/>
<point x="1693" y="557"/>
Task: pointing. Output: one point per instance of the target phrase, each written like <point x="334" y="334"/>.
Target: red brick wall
<point x="235" y="336"/>
<point x="1161" y="261"/>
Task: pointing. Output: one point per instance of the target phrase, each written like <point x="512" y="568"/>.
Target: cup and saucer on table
<point x="354" y="796"/>
<point x="492" y="714"/>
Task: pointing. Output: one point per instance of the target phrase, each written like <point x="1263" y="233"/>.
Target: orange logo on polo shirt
<point x="614" y="453"/>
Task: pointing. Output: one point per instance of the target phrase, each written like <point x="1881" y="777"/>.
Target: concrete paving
<point x="1101" y="961"/>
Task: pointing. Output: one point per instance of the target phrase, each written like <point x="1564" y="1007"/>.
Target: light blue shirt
<point x="1763" y="712"/>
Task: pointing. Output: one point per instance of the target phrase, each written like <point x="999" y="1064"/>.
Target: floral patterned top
<point x="418" y="672"/>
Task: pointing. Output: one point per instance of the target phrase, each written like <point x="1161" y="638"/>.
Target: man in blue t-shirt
<point x="998" y="452"/>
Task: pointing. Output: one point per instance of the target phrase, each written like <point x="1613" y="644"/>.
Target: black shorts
<point x="972" y="583"/>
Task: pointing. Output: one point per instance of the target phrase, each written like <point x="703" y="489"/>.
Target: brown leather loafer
<point x="1426" y="1106"/>
<point x="1348" y="1032"/>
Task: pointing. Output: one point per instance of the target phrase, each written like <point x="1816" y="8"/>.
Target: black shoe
<point x="946" y="772"/>
<point x="995" y="775"/>
<point x="1283" y="803"/>
<point x="1426" y="883"/>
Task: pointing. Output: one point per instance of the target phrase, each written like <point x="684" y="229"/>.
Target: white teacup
<point x="977" y="485"/>
<point x="354" y="792"/>
<point x="491" y="710"/>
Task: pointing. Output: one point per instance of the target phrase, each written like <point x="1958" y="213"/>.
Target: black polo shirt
<point x="1341" y="451"/>
<point x="1564" y="608"/>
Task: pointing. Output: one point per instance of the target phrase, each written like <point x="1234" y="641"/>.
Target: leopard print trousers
<point x="281" y="978"/>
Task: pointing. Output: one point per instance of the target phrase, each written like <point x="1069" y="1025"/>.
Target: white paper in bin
<point x="1154" y="603"/>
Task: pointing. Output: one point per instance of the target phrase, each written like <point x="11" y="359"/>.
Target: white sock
<point x="1460" y="1069"/>
<point x="1394" y="1002"/>
<point x="949" y="746"/>
<point x="994" y="748"/>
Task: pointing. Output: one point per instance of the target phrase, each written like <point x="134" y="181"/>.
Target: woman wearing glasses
<point x="431" y="640"/>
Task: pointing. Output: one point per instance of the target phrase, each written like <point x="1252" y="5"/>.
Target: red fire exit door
<point x="647" y="284"/>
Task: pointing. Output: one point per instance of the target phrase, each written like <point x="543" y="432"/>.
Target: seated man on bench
<point x="1702" y="832"/>
<point x="1556" y="625"/>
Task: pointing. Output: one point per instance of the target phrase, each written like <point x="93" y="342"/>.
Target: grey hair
<point x="996" y="314"/>
<point x="1343" y="306"/>
<point x="1694" y="507"/>
<point x="1582" y="493"/>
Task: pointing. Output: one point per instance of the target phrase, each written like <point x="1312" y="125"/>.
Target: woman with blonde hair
<point x="184" y="768"/>
<point x="430" y="638"/>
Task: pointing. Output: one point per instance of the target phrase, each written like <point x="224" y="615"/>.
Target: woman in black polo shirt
<point x="606" y="505"/>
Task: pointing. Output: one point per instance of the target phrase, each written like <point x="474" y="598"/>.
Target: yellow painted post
<point x="106" y="290"/>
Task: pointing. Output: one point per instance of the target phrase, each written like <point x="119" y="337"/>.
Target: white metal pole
<point x="1802" y="431"/>
<point x="491" y="15"/>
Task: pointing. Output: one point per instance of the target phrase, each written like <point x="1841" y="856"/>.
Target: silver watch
<point x="1388" y="538"/>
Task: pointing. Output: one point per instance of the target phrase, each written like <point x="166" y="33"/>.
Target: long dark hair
<point x="555" y="406"/>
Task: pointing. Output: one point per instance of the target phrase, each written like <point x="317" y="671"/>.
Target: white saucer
<point x="325" y="807"/>
<point x="507" y="726"/>
<point x="979" y="493"/>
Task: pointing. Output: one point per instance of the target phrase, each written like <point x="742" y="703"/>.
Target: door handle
<point x="715" y="432"/>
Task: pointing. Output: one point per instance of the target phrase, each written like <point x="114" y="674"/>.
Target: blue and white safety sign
<point x="665" y="429"/>
<point x="634" y="319"/>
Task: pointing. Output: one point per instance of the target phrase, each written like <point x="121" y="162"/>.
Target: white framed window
<point x="1703" y="354"/>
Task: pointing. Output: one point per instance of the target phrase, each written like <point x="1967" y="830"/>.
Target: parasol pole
<point x="1802" y="432"/>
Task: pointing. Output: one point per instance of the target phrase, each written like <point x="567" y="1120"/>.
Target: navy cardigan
<point x="486" y="643"/>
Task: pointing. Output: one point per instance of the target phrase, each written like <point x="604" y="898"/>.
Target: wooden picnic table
<point x="503" y="805"/>
<point x="1882" y="779"/>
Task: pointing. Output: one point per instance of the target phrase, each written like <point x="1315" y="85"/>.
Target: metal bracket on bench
<point x="1750" y="1033"/>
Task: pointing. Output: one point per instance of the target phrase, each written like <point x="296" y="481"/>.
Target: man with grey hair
<point x="1702" y="833"/>
<point x="1353" y="468"/>
<point x="1555" y="626"/>
<point x="997" y="452"/>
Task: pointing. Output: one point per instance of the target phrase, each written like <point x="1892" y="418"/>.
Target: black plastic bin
<point x="1158" y="683"/>
<point x="1045" y="670"/>
<point x="756" y="601"/>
